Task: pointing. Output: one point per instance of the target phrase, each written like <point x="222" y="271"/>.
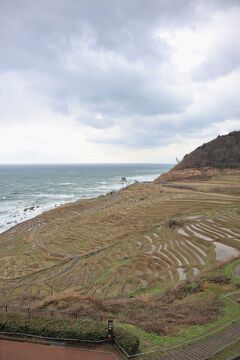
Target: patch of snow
<point x="196" y="271"/>
<point x="174" y="256"/>
<point x="171" y="276"/>
<point x="149" y="238"/>
<point x="193" y="217"/>
<point x="153" y="249"/>
<point x="182" y="232"/>
<point x="181" y="274"/>
<point x="197" y="234"/>
<point x="230" y="231"/>
<point x="197" y="248"/>
<point x="211" y="230"/>
<point x="194" y="252"/>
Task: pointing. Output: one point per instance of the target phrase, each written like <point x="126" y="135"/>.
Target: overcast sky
<point x="116" y="80"/>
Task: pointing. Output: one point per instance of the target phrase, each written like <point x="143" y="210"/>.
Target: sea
<point x="29" y="190"/>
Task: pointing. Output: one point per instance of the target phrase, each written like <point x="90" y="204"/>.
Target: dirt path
<point x="45" y="248"/>
<point x="206" y="348"/>
<point x="12" y="350"/>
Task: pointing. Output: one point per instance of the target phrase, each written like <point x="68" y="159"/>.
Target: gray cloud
<point x="35" y="33"/>
<point x="104" y="55"/>
<point x="224" y="55"/>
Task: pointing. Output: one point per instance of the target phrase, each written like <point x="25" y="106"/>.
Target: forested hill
<point x="222" y="152"/>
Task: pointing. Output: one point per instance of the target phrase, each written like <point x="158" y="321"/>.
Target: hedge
<point x="55" y="328"/>
<point x="128" y="341"/>
<point x="84" y="330"/>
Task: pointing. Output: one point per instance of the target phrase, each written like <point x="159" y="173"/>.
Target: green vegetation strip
<point x="230" y="313"/>
<point x="65" y="329"/>
<point x="192" y="333"/>
<point x="229" y="271"/>
<point x="181" y="344"/>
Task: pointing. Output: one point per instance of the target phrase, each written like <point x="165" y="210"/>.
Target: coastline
<point x="37" y="210"/>
<point x="29" y="191"/>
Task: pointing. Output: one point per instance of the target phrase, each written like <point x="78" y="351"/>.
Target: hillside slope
<point x="222" y="152"/>
<point x="221" y="155"/>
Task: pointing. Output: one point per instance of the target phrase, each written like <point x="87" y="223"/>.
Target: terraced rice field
<point x="120" y="244"/>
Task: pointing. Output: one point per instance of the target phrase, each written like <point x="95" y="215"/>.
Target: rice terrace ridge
<point x="162" y="258"/>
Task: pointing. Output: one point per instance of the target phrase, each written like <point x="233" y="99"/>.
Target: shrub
<point x="87" y="330"/>
<point x="56" y="328"/>
<point x="128" y="341"/>
<point x="172" y="223"/>
<point x="203" y="286"/>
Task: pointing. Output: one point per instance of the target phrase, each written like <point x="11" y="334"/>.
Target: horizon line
<point x="107" y="163"/>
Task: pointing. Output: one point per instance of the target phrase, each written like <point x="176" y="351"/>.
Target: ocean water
<point x="42" y="187"/>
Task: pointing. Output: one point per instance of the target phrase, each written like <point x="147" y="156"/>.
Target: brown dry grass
<point x="158" y="314"/>
<point x="110" y="235"/>
<point x="73" y="301"/>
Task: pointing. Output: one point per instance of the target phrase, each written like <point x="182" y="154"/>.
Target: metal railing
<point x="48" y="313"/>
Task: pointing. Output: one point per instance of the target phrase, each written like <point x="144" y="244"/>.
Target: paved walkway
<point x="12" y="350"/>
<point x="207" y="347"/>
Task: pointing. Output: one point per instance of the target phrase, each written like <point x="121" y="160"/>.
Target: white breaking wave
<point x="45" y="187"/>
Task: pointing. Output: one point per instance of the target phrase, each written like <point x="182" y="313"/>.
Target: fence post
<point x="52" y="313"/>
<point x="6" y="309"/>
<point x="110" y="330"/>
<point x="28" y="312"/>
<point x="101" y="318"/>
<point x="76" y="316"/>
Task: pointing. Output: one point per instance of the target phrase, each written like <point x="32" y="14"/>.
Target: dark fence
<point x="31" y="312"/>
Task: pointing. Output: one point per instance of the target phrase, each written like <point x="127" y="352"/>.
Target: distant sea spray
<point x="28" y="190"/>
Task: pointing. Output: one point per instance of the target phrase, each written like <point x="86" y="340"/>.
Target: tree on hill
<point x="222" y="152"/>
